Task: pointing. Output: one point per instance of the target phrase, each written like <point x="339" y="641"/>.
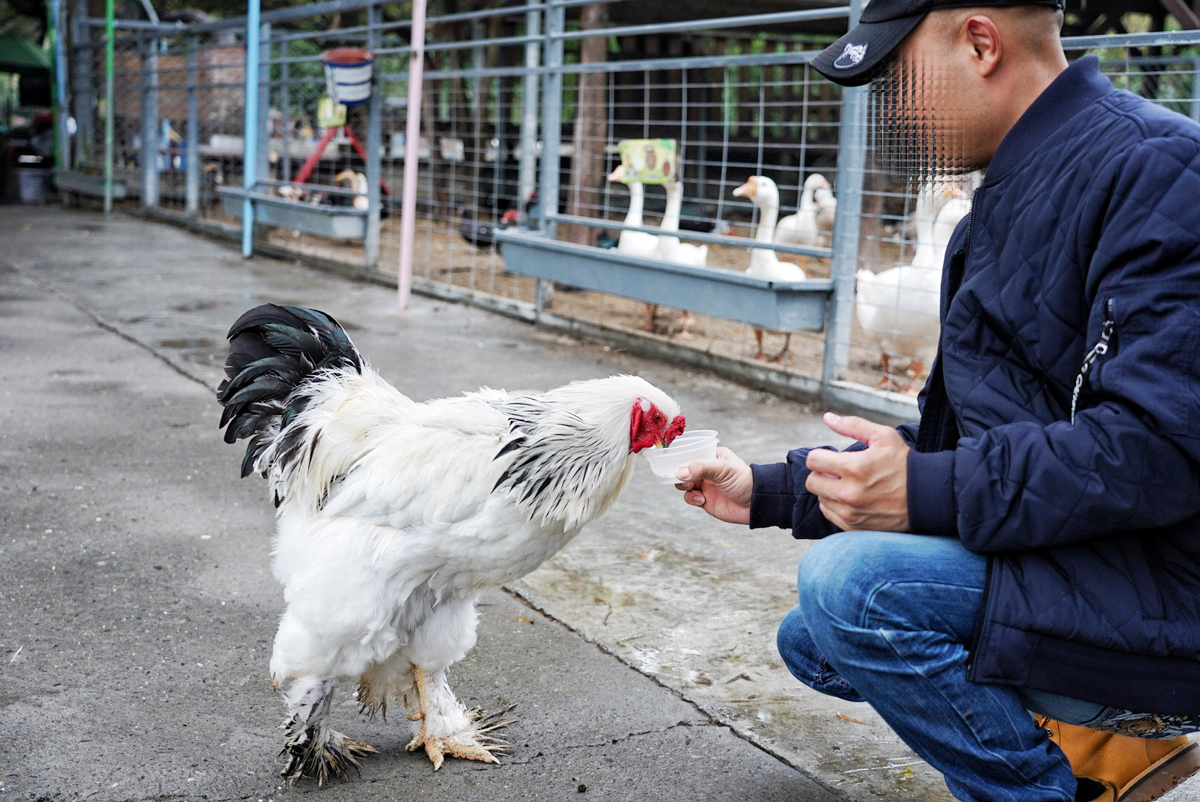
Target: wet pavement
<point x="138" y="606"/>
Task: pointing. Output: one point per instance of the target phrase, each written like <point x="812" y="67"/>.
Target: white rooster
<point x="392" y="516"/>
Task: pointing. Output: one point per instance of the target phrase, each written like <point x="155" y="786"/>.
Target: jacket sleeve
<point x="1130" y="459"/>
<point x="780" y="499"/>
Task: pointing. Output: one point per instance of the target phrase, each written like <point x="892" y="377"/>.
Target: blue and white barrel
<point x="348" y="74"/>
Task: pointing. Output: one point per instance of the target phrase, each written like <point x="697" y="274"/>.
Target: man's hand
<point x="863" y="490"/>
<point x="721" y="487"/>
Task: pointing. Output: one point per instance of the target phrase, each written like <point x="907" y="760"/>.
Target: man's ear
<point x="982" y="34"/>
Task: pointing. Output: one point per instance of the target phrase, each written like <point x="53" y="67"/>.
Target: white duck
<point x="803" y="228"/>
<point x="670" y="249"/>
<point x="898" y="308"/>
<point x="634" y="243"/>
<point x="764" y="262"/>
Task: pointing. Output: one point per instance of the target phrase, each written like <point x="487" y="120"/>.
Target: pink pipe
<point x="412" y="155"/>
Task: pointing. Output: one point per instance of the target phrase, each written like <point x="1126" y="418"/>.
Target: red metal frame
<point x="310" y="163"/>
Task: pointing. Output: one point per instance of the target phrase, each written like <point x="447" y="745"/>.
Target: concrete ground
<point x="137" y="604"/>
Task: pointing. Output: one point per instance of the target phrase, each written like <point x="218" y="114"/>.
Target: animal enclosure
<point x="522" y="109"/>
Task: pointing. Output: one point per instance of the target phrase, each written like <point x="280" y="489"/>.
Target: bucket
<point x="348" y="74"/>
<point x="32" y="184"/>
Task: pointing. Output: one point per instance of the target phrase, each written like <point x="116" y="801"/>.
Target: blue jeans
<point x="886" y="618"/>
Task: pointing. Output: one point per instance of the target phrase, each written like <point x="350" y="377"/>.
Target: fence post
<point x="556" y="25"/>
<point x="83" y="97"/>
<point x="527" y="178"/>
<point x="192" y="136"/>
<point x="150" y="126"/>
<point x="412" y="154"/>
<point x="285" y="111"/>
<point x="62" y="156"/>
<point x="250" y="122"/>
<point x="263" y="166"/>
<point x="374" y="142"/>
<point x="852" y="145"/>
<point x="109" y="95"/>
<point x="1196" y="89"/>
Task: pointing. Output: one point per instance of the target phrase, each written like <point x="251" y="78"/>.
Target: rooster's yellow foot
<point x="474" y="743"/>
<point x="437" y="749"/>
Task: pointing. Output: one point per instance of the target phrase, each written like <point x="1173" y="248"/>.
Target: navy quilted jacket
<point x="1060" y="427"/>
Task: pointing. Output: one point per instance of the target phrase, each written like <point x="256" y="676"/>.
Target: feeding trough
<point x="89" y="184"/>
<point x="333" y="222"/>
<point x="775" y="305"/>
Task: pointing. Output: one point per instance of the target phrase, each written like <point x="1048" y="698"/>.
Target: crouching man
<point x="1033" y="544"/>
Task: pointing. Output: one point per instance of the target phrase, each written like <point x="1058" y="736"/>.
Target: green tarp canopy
<point x="22" y="56"/>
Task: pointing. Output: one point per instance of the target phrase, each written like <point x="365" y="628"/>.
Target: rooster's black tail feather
<point x="273" y="351"/>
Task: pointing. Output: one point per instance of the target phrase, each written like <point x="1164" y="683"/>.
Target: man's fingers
<point x="825" y="461"/>
<point x="860" y="429"/>
<point x="820" y="485"/>
<point x="834" y="517"/>
<point x="699" y="470"/>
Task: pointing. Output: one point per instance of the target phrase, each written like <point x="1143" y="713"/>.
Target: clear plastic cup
<point x="688" y="446"/>
<point x="694" y="434"/>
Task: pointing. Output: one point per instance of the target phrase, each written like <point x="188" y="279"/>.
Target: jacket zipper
<point x="1098" y="350"/>
<point x="977" y="630"/>
<point x="958" y="421"/>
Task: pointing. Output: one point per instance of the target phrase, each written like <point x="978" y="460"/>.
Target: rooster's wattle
<point x="392" y="516"/>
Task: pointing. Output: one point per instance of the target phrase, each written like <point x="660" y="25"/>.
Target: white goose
<point x="898" y="308"/>
<point x="634" y="243"/>
<point x="764" y="262"/>
<point x="803" y="227"/>
<point x="826" y="213"/>
<point x="670" y="249"/>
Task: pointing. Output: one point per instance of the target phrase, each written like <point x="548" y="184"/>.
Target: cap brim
<point x="859" y="56"/>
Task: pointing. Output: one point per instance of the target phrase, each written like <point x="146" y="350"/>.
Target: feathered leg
<point x="447" y="728"/>
<point x="310" y="747"/>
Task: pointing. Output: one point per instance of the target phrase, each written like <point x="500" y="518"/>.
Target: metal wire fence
<point x="522" y="111"/>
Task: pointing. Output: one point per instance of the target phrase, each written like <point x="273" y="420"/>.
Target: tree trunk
<point x="591" y="127"/>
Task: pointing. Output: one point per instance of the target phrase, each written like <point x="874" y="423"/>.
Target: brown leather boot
<point x="1141" y="769"/>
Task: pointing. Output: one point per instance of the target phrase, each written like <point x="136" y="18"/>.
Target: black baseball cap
<point x="859" y="56"/>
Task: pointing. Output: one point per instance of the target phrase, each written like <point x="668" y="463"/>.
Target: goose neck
<point x="636" y="202"/>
